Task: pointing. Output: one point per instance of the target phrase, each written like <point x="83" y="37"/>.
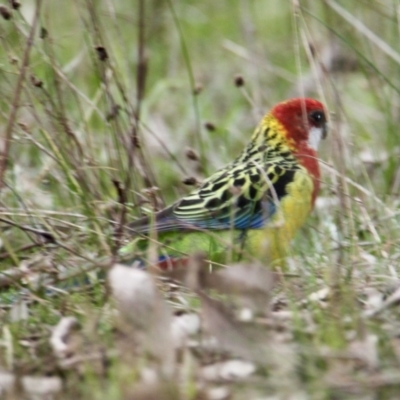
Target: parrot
<point x="251" y="208"/>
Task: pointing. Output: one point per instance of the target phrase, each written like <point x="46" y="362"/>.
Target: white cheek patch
<point x="314" y="137"/>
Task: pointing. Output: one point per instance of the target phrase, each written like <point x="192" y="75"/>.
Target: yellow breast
<point x="272" y="242"/>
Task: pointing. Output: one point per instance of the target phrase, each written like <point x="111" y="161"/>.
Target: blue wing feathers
<point x="243" y="219"/>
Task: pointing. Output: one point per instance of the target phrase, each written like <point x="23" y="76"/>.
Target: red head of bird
<point x="304" y="124"/>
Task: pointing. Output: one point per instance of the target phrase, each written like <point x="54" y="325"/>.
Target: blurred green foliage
<point x="77" y="115"/>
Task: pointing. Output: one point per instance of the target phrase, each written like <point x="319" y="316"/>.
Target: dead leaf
<point x="144" y="313"/>
<point x="184" y="326"/>
<point x="7" y="382"/>
<point x="252" y="282"/>
<point x="60" y="334"/>
<point x="230" y="370"/>
<point x="393" y="299"/>
<point x="243" y="340"/>
<point x="160" y="391"/>
<point x="42" y="386"/>
<point x="365" y="350"/>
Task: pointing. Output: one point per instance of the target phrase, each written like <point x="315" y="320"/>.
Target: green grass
<point x="170" y="69"/>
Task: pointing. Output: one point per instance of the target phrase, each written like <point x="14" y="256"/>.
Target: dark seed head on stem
<point x="192" y="155"/>
<point x="43" y="33"/>
<point x="239" y="81"/>
<point x="197" y="89"/>
<point x="210" y="126"/>
<point x="102" y="53"/>
<point x="36" y="82"/>
<point x="5" y="12"/>
<point x="15" y="4"/>
<point x="191" y="181"/>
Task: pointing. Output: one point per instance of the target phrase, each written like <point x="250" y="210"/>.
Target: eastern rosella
<point x="253" y="206"/>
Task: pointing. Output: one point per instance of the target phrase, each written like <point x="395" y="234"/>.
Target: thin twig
<point x="17" y="93"/>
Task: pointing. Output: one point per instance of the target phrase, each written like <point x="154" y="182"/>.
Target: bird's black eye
<point x="318" y="117"/>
